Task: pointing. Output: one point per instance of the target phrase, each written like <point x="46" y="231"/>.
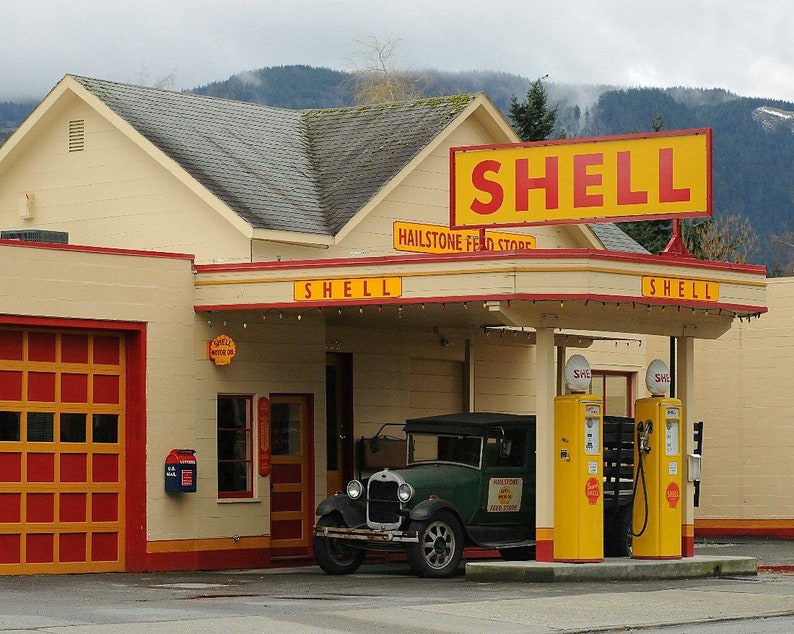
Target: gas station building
<point x="204" y="303"/>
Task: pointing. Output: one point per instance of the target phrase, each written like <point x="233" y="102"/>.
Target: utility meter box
<point x="180" y="471"/>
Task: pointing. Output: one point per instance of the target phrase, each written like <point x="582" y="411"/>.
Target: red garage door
<point x="61" y="451"/>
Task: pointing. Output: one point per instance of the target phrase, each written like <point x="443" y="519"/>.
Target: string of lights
<point x="398" y="310"/>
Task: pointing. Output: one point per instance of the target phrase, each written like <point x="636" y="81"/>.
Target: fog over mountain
<point x="753" y="137"/>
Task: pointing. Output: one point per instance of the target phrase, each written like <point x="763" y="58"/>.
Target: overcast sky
<point x="744" y="46"/>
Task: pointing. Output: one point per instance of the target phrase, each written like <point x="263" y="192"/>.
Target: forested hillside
<point x="753" y="138"/>
<point x="753" y="155"/>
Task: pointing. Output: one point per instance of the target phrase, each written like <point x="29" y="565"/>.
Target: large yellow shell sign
<point x="630" y="177"/>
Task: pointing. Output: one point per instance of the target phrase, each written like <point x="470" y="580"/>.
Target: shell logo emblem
<point x="592" y="490"/>
<point x="505" y="495"/>
<point x="673" y="494"/>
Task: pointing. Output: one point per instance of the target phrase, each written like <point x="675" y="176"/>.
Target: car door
<point x="507" y="492"/>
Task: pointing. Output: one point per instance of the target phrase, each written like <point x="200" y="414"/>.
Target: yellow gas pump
<point x="658" y="467"/>
<point x="578" y="468"/>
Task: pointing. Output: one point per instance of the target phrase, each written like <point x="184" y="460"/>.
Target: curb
<point x="626" y="569"/>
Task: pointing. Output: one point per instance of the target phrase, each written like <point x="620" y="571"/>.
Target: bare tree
<point x="730" y="238"/>
<point x="165" y="82"/>
<point x="379" y="80"/>
<point x="781" y="250"/>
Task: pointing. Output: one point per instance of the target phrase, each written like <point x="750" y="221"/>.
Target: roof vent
<point x="77" y="135"/>
<point x="36" y="235"/>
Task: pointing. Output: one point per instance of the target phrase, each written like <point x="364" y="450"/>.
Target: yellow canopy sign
<point x="633" y="177"/>
<point x="348" y="288"/>
<point x="680" y="288"/>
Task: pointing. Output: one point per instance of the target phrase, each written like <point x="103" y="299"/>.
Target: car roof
<point x="472" y="423"/>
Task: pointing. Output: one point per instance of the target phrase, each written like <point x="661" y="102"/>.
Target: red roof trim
<point x="584" y="140"/>
<point x="69" y="322"/>
<point x="534" y="254"/>
<point x="95" y="249"/>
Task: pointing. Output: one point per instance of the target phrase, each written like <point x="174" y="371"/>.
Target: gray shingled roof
<point x="291" y="170"/>
<point x="615" y="239"/>
<point x="308" y="171"/>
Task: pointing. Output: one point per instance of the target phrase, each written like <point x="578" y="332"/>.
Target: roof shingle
<point x="306" y="171"/>
<point x="291" y="170"/>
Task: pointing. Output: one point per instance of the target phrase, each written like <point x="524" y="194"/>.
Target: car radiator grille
<point x="383" y="505"/>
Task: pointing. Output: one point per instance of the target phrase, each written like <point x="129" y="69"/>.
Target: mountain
<point x="753" y="163"/>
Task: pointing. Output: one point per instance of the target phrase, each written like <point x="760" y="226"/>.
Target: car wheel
<point x="336" y="556"/>
<point x="617" y="539"/>
<point x="522" y="553"/>
<point x="440" y="546"/>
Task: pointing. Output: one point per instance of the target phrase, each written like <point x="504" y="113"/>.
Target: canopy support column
<point x="685" y="385"/>
<point x="546" y="381"/>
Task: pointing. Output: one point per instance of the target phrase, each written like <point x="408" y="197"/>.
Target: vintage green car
<point x="469" y="480"/>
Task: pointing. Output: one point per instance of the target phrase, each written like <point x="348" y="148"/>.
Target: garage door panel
<point x="61" y="459"/>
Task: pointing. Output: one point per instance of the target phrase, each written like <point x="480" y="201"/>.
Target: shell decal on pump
<point x="592" y="490"/>
<point x="673" y="494"/>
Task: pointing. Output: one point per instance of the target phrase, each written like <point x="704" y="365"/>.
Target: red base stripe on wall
<point x="208" y="560"/>
<point x="544" y="550"/>
<point x="778" y="528"/>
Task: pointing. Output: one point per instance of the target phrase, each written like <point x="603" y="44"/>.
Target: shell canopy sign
<point x="633" y="177"/>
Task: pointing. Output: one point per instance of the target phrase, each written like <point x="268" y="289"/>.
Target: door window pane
<point x="615" y="389"/>
<point x="285" y="429"/>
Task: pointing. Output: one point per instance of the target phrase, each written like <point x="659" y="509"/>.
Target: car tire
<point x="440" y="546"/>
<point x="617" y="538"/>
<point x="336" y="556"/>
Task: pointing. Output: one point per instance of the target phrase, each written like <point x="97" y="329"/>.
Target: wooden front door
<point x="292" y="474"/>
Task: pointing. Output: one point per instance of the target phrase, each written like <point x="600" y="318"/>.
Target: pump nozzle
<point x="643" y="431"/>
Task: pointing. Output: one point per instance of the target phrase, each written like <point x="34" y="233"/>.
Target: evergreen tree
<point x="651" y="234"/>
<point x="532" y="119"/>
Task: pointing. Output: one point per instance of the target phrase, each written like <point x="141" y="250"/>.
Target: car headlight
<point x="354" y="489"/>
<point x="405" y="492"/>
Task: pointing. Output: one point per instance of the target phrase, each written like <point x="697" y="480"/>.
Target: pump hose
<point x="640" y="475"/>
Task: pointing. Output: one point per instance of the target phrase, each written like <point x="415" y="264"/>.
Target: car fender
<point x="352" y="511"/>
<point x="427" y="508"/>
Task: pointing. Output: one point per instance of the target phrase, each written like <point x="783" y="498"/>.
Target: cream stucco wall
<point x="282" y="356"/>
<point x="746" y="404"/>
<point x="155" y="291"/>
<point x="111" y="194"/>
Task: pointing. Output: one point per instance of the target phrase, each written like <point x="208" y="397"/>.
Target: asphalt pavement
<point x="387" y="598"/>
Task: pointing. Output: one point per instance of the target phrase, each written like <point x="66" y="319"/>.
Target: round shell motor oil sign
<point x="222" y="349"/>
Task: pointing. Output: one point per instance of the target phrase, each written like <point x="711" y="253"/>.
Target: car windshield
<point x="442" y="448"/>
